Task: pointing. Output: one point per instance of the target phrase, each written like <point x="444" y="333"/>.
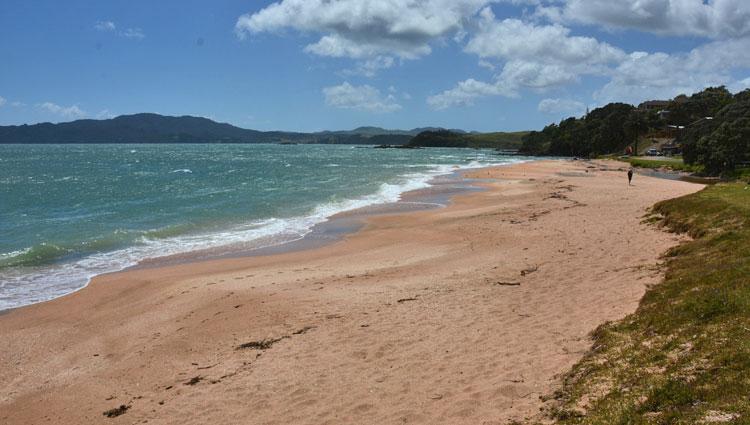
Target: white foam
<point x="42" y="284"/>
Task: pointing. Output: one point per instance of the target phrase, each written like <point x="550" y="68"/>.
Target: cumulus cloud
<point x="540" y="56"/>
<point x="66" y="112"/>
<point x="561" y="107"/>
<point x="649" y="75"/>
<point x="538" y="51"/>
<point x="466" y="92"/>
<point x="535" y="57"/>
<point x="515" y="39"/>
<point x="105" y="26"/>
<point x="363" y="98"/>
<point x="2" y="101"/>
<point x="712" y="18"/>
<point x="373" y="32"/>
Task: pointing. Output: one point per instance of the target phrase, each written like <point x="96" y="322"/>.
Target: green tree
<point x="635" y="125"/>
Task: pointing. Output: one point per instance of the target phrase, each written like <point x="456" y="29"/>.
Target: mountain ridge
<point x="155" y="128"/>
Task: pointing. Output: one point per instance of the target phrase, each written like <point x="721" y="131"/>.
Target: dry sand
<point x="461" y="315"/>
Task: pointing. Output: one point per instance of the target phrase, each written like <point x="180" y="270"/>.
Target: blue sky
<point x="309" y="65"/>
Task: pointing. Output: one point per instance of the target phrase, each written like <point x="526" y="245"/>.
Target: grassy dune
<point x="684" y="356"/>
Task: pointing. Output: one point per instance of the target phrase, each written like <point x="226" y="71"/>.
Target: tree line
<point x="713" y="127"/>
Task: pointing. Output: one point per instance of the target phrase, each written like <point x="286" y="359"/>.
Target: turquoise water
<point x="70" y="212"/>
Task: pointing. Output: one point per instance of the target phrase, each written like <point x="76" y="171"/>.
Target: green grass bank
<point x="684" y="356"/>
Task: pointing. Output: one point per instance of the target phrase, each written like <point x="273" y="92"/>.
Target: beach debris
<point x="536" y="215"/>
<point x="263" y="344"/>
<point x="207" y="367"/>
<point x="508" y="283"/>
<point x="436" y="396"/>
<point x="403" y="300"/>
<point x="303" y="330"/>
<point x="117" y="411"/>
<point x="194" y="380"/>
<point x="529" y="270"/>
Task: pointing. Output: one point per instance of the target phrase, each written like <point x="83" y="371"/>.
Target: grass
<point x="684" y="356"/>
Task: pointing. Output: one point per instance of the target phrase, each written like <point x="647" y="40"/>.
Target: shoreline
<point x="329" y="230"/>
<point x="463" y="314"/>
<point x="439" y="194"/>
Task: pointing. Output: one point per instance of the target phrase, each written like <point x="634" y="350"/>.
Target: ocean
<point x="71" y="212"/>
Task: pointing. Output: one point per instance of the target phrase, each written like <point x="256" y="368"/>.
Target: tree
<point x="635" y="125"/>
<point x="722" y="143"/>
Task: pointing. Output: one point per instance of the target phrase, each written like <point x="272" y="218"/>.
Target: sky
<point x="310" y="65"/>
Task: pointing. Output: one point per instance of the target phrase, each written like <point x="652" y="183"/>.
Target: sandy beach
<point x="460" y="315"/>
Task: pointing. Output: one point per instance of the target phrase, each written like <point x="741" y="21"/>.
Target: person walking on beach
<point x="630" y="176"/>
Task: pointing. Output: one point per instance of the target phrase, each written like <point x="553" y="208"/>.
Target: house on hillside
<point x="660" y="106"/>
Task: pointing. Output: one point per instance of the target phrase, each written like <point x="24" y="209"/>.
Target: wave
<point x="40" y="273"/>
<point x="37" y="255"/>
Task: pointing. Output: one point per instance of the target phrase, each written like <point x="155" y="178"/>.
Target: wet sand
<point x="458" y="315"/>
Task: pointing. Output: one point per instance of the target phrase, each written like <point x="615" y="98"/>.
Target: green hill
<point x="452" y="139"/>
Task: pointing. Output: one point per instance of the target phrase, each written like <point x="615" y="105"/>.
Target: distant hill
<point x="155" y="128"/>
<point x="452" y="139"/>
<point x="138" y="128"/>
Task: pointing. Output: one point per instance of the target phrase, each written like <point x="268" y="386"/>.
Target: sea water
<point x="70" y="212"/>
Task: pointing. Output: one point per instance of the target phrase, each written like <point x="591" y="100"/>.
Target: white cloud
<point x="105" y="26"/>
<point x="561" y="107"/>
<point x="366" y="30"/>
<point x="109" y="26"/>
<point x="364" y="98"/>
<point x="518" y="40"/>
<point x="466" y="92"/>
<point x="487" y="64"/>
<point x="370" y="67"/>
<point x="134" y="33"/>
<point x="712" y="18"/>
<point x="539" y="57"/>
<point x="660" y="75"/>
<point x="536" y="52"/>
<point x="739" y="86"/>
<point x="536" y="57"/>
<point x="2" y="101"/>
<point x="66" y="112"/>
